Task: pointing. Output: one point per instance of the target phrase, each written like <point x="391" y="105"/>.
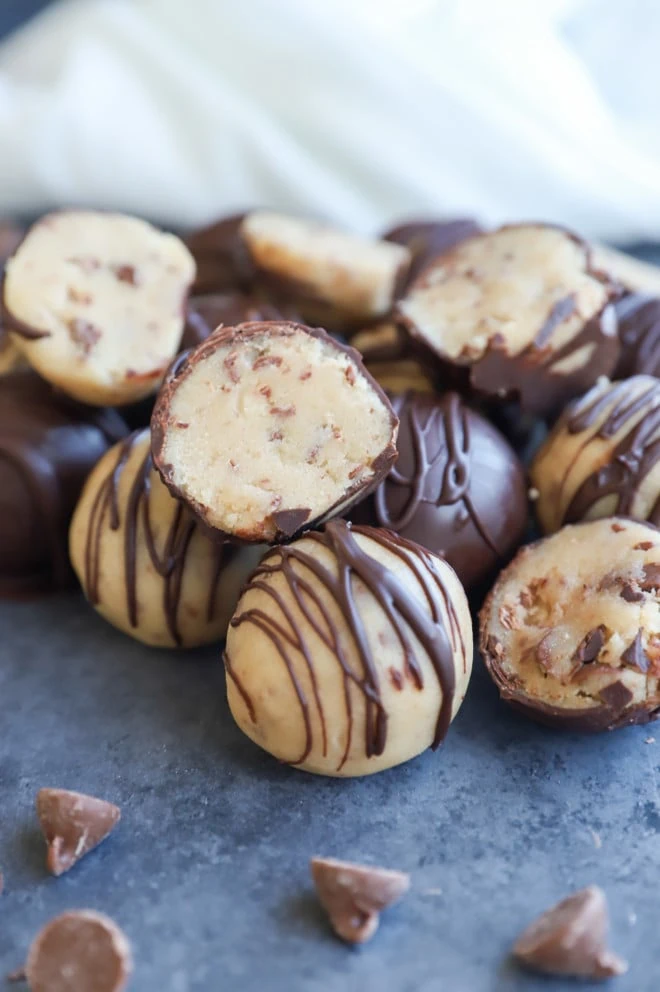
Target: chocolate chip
<point x="284" y="411"/>
<point x="651" y="578"/>
<point x="83" y="333"/>
<point x="631" y="594"/>
<point x="289" y="522"/>
<point x="616" y="696"/>
<point x="571" y="939"/>
<point x="643" y="546"/>
<point x="264" y="360"/>
<point x="354" y="895"/>
<point x="590" y="646"/>
<point x="73" y="824"/>
<point x="126" y="273"/>
<point x="634" y="655"/>
<point x="82" y="950"/>
<point x="617" y="528"/>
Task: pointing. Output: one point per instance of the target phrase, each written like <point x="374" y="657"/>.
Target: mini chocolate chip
<point x="590" y="646"/>
<point x="651" y="578"/>
<point x="83" y="333"/>
<point x="616" y="696"/>
<point x="264" y="360"/>
<point x="289" y="522"/>
<point x="126" y="273"/>
<point x="634" y="655"/>
<point x="631" y="594"/>
<point x="643" y="546"/>
<point x="617" y="528"/>
<point x="354" y="895"/>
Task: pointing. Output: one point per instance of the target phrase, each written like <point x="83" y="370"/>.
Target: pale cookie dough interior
<point x="107" y="294"/>
<point x="612" y="415"/>
<point x="287" y="689"/>
<point x="357" y="275"/>
<point x="271" y="423"/>
<point x="524" y="283"/>
<point x="574" y="622"/>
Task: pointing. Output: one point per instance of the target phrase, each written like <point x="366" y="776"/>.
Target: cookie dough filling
<point x="571" y="631"/>
<point x="526" y="294"/>
<point x="267" y="428"/>
<point x="603" y="457"/>
<point x="357" y="276"/>
<point x="95" y="302"/>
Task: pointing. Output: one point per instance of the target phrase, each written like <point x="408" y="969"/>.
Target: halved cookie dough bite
<point x="522" y="311"/>
<point x="350" y="651"/>
<point x="391" y="358"/>
<point x="603" y="456"/>
<point x="571" y="630"/>
<point x="268" y="428"/>
<point x="143" y="560"/>
<point x="352" y="279"/>
<point x="95" y="302"/>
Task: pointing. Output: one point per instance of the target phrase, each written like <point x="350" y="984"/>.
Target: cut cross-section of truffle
<point x="393" y="360"/>
<point x="522" y="311"/>
<point x="457" y="487"/>
<point x="603" y="456"/>
<point x="267" y="428"/>
<point x="350" y="651"/>
<point x="143" y="560"/>
<point x="316" y="264"/>
<point x="82" y="951"/>
<point x="354" y="895"/>
<point x="426" y="239"/>
<point x="638" y="315"/>
<point x="73" y="825"/>
<point x="571" y="939"/>
<point x="95" y="302"/>
<point x="571" y="630"/>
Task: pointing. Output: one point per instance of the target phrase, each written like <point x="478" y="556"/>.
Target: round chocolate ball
<point x="426" y="239"/>
<point x="457" y="487"/>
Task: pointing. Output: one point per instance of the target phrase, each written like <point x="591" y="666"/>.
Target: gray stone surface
<point x="207" y="872"/>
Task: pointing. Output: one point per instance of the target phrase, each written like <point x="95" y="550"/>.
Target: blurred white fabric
<point x="359" y="110"/>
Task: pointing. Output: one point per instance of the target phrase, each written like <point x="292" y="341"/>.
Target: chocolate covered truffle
<point x="268" y="428"/>
<point x="521" y="311"/>
<point x="638" y="316"/>
<point x="206" y="313"/>
<point x="571" y="630"/>
<point x="48" y="446"/>
<point x="603" y="456"/>
<point x="143" y="560"/>
<point x="95" y="302"/>
<point x="350" y="277"/>
<point x="395" y="363"/>
<point x="222" y="259"/>
<point x="426" y="239"/>
<point x="10" y="356"/>
<point x="350" y="651"/>
<point x="457" y="487"/>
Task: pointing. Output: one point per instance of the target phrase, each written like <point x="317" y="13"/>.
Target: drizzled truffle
<point x="457" y="487"/>
<point x="350" y="651"/>
<point x="267" y="428"/>
<point x="426" y="239"/>
<point x="48" y="446"/>
<point x="390" y="357"/>
<point x="522" y="311"/>
<point x="95" y="302"/>
<point x="603" y="457"/>
<point x="571" y="630"/>
<point x="144" y="562"/>
<point x="639" y="332"/>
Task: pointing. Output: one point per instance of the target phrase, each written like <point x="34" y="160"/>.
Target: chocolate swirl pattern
<point x="309" y="593"/>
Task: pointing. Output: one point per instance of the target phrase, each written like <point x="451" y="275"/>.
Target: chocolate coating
<point x="223" y="262"/>
<point x="48" y="446"/>
<point x="639" y="333"/>
<point x="457" y="487"/>
<point x="206" y="313"/>
<point x="426" y="239"/>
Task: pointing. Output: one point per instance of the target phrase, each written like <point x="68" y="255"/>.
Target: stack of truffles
<point x="306" y="443"/>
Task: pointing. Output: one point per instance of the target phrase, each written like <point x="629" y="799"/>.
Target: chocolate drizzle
<point x="170" y="562"/>
<point x="633" y="458"/>
<point x="308" y="584"/>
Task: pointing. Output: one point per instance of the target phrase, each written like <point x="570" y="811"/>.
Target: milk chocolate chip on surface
<point x="603" y="456"/>
<point x="350" y="651"/>
<point x="143" y="560"/>
<point x="522" y="311"/>
<point x="457" y="487"/>
<point x="79" y="951"/>
<point x="354" y="895"/>
<point x="48" y="446"/>
<point x="355" y="278"/>
<point x="571" y="939"/>
<point x="95" y="302"/>
<point x="267" y="428"/>
<point x="73" y="824"/>
<point x="571" y="630"/>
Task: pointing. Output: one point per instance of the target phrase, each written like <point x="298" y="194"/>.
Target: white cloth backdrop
<point x="360" y="110"/>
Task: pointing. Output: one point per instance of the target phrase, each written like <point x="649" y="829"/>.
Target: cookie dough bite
<point x="457" y="487"/>
<point x="268" y="428"/>
<point x="638" y="317"/>
<point x="95" y="302"/>
<point x="10" y="356"/>
<point x="426" y="239"/>
<point x="603" y="456"/>
<point x="390" y="357"/>
<point x="350" y="651"/>
<point x="354" y="278"/>
<point x="521" y="311"/>
<point x="206" y="313"/>
<point x="633" y="274"/>
<point x="143" y="560"/>
<point x="571" y="630"/>
<point x="48" y="446"/>
<point x="222" y="259"/>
